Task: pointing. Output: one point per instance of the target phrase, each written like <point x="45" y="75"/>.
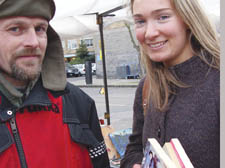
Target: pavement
<point x="99" y="82"/>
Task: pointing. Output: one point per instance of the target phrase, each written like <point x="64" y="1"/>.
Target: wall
<point x="119" y="51"/>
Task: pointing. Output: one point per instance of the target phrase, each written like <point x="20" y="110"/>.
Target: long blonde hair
<point x="204" y="43"/>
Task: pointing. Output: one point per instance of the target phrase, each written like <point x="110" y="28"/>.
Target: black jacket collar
<point x="38" y="96"/>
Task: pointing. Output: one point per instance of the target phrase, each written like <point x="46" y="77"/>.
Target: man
<point x="44" y="121"/>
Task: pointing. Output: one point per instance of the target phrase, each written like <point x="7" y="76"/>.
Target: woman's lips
<point x="157" y="45"/>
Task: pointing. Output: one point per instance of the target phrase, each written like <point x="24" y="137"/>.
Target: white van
<point x="81" y="68"/>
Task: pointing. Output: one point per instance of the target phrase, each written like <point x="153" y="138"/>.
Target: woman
<point x="181" y="54"/>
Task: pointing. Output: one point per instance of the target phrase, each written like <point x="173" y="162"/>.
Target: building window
<point x="91" y="53"/>
<point x="72" y="44"/>
<point x="88" y="42"/>
<point x="63" y="44"/>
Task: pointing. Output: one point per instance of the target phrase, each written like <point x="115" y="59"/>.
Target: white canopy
<point x="71" y="19"/>
<point x="75" y="18"/>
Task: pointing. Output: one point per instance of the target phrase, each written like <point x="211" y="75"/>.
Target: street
<point x="120" y="104"/>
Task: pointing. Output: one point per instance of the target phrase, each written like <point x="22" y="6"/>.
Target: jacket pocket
<point x="5" y="137"/>
<point x="81" y="133"/>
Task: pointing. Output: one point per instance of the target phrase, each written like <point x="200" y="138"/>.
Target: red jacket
<point x="55" y="130"/>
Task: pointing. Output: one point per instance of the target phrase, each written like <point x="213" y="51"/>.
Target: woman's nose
<point x="151" y="31"/>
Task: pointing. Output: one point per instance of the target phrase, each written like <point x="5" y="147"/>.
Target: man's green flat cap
<point x="33" y="8"/>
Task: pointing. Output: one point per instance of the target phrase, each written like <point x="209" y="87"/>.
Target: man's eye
<point x="41" y="29"/>
<point x="14" y="29"/>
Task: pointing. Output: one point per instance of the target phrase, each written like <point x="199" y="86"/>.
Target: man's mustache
<point x="27" y="52"/>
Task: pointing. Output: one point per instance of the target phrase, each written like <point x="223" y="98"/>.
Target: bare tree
<point x="137" y="47"/>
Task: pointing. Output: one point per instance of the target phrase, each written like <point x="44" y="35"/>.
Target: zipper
<point x="18" y="143"/>
<point x="17" y="139"/>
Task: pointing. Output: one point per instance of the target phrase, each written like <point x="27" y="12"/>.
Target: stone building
<point x="121" y="57"/>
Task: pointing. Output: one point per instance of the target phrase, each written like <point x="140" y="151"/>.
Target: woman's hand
<point x="137" y="166"/>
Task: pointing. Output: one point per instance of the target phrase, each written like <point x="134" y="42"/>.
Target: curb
<point x="100" y="86"/>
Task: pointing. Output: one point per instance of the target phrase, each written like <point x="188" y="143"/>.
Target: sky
<point x="212" y="6"/>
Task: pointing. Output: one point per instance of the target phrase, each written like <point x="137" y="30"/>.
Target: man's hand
<point x="137" y="166"/>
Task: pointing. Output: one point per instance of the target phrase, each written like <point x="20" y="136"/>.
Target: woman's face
<point x="161" y="32"/>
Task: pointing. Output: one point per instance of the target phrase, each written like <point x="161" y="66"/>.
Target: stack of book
<point x="171" y="155"/>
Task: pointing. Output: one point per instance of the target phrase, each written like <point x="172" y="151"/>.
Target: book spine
<point x="177" y="154"/>
<point x="180" y="150"/>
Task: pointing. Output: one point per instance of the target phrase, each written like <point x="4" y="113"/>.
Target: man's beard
<point x="27" y="73"/>
<point x="20" y="74"/>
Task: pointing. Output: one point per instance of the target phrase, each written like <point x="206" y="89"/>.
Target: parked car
<point x="81" y="68"/>
<point x="93" y="68"/>
<point x="71" y="71"/>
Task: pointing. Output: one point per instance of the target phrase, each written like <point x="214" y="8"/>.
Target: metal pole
<point x="100" y="23"/>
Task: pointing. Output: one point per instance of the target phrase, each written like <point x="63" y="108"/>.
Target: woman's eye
<point x="139" y="22"/>
<point x="164" y="17"/>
